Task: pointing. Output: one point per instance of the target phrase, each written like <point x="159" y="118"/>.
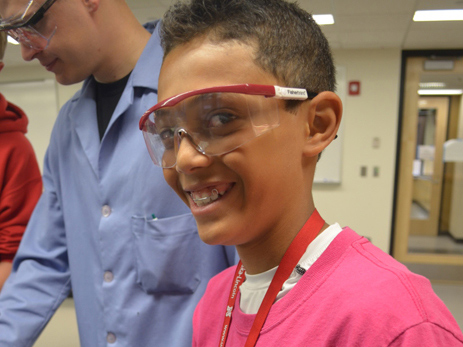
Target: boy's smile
<point x="203" y="197"/>
<point x="248" y="197"/>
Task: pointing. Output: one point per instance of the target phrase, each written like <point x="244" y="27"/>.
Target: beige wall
<point x="35" y="72"/>
<point x="363" y="203"/>
<point x="35" y="90"/>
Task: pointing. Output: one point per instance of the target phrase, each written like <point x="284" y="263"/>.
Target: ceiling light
<point x="438" y="64"/>
<point x="438" y="15"/>
<point x="12" y="40"/>
<point x="323" y="19"/>
<point x="440" y="91"/>
<point x="432" y="85"/>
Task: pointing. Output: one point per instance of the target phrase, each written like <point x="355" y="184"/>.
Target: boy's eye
<point x="166" y="134"/>
<point x="167" y="137"/>
<point x="220" y="120"/>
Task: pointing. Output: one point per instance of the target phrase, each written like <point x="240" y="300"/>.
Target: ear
<point x="91" y="5"/>
<point x="323" y="120"/>
<point x="1" y="65"/>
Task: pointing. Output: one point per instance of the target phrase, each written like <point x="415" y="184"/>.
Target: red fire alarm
<point x="354" y="88"/>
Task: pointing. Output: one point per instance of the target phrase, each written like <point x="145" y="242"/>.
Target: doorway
<point x="428" y="166"/>
<point x="428" y="203"/>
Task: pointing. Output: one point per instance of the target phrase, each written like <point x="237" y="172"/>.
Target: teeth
<point x="205" y="199"/>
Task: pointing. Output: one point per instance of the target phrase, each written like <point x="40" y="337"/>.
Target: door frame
<point x="408" y="102"/>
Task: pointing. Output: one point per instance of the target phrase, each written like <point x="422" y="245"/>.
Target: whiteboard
<point x="329" y="167"/>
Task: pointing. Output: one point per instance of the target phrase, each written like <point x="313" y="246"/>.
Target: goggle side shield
<point x="31" y="37"/>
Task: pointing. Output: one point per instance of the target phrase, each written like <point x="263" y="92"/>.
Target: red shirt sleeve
<point x="21" y="187"/>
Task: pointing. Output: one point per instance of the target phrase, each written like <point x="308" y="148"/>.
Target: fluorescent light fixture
<point x="12" y="40"/>
<point x="437" y="15"/>
<point x="432" y="85"/>
<point x="323" y="19"/>
<point x="438" y="64"/>
<point x="440" y="91"/>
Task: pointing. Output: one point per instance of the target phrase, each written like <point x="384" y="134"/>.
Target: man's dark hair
<point x="289" y="44"/>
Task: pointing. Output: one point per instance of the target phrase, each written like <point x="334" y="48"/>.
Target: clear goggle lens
<point x="31" y="37"/>
<point x="214" y="123"/>
<point x="30" y="27"/>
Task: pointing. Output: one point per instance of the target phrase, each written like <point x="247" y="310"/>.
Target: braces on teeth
<point x="207" y="199"/>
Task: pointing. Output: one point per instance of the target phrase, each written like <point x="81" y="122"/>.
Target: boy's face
<point x="261" y="180"/>
<point x="71" y="54"/>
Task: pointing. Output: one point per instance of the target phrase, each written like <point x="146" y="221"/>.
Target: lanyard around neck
<point x="290" y="259"/>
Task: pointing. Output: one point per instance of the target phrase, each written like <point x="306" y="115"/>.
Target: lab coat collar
<point x="144" y="75"/>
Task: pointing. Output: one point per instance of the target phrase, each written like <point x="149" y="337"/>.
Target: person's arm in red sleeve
<point x="21" y="187"/>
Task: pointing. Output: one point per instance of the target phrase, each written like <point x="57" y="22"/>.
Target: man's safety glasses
<point x="28" y="27"/>
<point x="215" y="120"/>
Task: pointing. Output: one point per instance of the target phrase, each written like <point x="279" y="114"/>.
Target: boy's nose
<point x="188" y="157"/>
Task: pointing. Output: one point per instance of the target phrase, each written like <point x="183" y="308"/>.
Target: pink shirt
<point x="353" y="295"/>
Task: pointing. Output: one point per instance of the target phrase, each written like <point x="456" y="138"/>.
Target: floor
<point x="62" y="329"/>
<point x="417" y="212"/>
<point x="442" y="244"/>
<point x="452" y="296"/>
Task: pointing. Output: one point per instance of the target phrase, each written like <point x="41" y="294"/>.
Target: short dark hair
<point x="289" y="44"/>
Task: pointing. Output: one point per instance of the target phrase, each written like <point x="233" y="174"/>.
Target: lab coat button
<point x="108" y="276"/>
<point x="106" y="211"/>
<point x="111" y="338"/>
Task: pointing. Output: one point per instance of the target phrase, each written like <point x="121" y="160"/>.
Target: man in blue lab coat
<point x="107" y="226"/>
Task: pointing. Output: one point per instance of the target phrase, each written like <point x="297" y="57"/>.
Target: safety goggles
<point x="215" y="120"/>
<point x="28" y="28"/>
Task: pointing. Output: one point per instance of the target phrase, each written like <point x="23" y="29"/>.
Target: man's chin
<point x="66" y="80"/>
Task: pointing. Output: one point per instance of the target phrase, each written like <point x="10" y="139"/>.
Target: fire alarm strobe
<point x="354" y="88"/>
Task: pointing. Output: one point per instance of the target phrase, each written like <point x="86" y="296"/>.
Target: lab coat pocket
<point x="167" y="254"/>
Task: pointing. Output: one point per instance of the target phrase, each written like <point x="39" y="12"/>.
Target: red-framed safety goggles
<point x="216" y="120"/>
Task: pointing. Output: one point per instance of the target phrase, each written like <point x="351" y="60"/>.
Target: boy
<point x="243" y="159"/>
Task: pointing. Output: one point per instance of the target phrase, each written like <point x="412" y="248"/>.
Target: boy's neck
<point x="265" y="255"/>
<point x="256" y="263"/>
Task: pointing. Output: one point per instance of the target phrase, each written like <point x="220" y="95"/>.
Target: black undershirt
<point x="107" y="96"/>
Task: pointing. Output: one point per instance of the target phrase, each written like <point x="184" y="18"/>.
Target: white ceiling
<point x="358" y="24"/>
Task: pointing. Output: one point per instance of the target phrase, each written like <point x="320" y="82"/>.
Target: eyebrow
<point x="164" y="115"/>
<point x="216" y="96"/>
<point x="194" y="101"/>
<point x="187" y="103"/>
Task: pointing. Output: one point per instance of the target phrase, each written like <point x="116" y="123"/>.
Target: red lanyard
<point x="290" y="259"/>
